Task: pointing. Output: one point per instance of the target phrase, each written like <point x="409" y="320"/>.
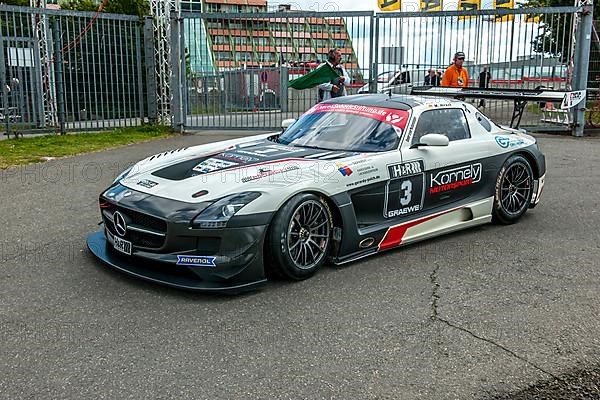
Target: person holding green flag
<point x="331" y="77"/>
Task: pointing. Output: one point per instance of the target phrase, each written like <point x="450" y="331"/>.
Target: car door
<point x="451" y="173"/>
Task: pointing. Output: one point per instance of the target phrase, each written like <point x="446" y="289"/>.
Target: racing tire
<point x="300" y="236"/>
<point x="514" y="188"/>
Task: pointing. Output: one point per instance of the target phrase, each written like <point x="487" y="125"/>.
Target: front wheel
<point x="300" y="236"/>
<point x="514" y="188"/>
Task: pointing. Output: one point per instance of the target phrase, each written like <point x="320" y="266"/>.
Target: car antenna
<point x="390" y="93"/>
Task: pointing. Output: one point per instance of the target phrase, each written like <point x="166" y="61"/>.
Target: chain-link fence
<point x="64" y="70"/>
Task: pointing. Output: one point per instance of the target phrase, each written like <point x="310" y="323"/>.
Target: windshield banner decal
<point x="397" y="118"/>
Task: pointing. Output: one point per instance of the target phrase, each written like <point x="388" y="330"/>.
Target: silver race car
<point x="352" y="177"/>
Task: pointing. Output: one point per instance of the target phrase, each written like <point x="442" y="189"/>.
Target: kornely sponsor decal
<point x="455" y="178"/>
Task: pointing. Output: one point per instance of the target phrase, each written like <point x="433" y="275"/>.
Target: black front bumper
<point x="179" y="276"/>
<point x="167" y="249"/>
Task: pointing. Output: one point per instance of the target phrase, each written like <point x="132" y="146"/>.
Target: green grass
<point x="38" y="149"/>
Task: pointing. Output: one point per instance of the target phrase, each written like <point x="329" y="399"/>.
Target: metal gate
<point x="230" y="59"/>
<point x="21" y="104"/>
<point x="65" y="70"/>
<point x="238" y="65"/>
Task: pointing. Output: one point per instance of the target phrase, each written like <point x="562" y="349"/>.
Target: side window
<point x="450" y="122"/>
<point x="483" y="121"/>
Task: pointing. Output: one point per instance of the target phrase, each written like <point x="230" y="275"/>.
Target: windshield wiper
<point x="313" y="147"/>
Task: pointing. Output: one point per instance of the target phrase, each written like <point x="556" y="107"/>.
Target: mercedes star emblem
<point x="119" y="222"/>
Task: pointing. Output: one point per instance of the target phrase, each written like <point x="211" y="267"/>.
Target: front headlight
<point x="123" y="175"/>
<point x="218" y="213"/>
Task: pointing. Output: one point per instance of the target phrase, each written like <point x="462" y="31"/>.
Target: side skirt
<point x="447" y="221"/>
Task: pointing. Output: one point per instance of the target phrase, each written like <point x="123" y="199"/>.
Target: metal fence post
<point x="140" y="85"/>
<point x="284" y="77"/>
<point x="150" y="63"/>
<point x="38" y="107"/>
<point x="3" y="82"/>
<point x="374" y="56"/>
<point x="176" y="79"/>
<point x="582" y="59"/>
<point x="58" y="65"/>
<point x="183" y="75"/>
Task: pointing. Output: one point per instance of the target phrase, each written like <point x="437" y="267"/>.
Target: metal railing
<point x="64" y="71"/>
<point x="229" y="56"/>
<point x="238" y="65"/>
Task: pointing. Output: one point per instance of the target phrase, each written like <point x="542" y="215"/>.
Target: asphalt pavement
<point x="481" y="313"/>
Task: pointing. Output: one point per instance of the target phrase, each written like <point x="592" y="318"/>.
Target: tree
<point x="130" y="7"/>
<point x="22" y="3"/>
<point x="554" y="35"/>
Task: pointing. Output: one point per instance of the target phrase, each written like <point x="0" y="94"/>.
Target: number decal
<point x="403" y="197"/>
<point x="406" y="187"/>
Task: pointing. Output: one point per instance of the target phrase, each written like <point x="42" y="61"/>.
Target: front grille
<point x="145" y="220"/>
<point x="139" y="220"/>
<point x="145" y="239"/>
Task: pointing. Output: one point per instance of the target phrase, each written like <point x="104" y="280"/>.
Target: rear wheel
<point x="300" y="236"/>
<point x="514" y="188"/>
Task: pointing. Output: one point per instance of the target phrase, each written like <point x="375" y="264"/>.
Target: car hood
<point x="209" y="172"/>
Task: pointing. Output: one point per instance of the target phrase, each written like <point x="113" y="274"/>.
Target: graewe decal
<point x="404" y="191"/>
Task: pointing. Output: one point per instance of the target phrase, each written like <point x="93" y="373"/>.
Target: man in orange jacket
<point x="456" y="75"/>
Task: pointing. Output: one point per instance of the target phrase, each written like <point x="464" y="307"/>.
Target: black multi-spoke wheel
<point x="514" y="188"/>
<point x="300" y="236"/>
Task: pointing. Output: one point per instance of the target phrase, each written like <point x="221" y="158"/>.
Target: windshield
<point x="347" y="127"/>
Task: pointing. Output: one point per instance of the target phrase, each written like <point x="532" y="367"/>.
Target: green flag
<point x="324" y="73"/>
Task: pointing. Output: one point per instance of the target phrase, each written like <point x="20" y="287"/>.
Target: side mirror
<point x="432" y="139"/>
<point x="286" y="123"/>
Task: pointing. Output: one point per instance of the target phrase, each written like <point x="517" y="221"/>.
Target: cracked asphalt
<point x="484" y="313"/>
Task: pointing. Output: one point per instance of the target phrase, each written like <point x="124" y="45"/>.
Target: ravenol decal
<point x="196" y="261"/>
<point x="344" y="170"/>
<point x="506" y="142"/>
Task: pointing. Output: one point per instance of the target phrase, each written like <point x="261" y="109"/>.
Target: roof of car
<point x="395" y="101"/>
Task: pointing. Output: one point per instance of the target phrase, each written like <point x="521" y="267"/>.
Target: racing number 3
<point x="406" y="187"/>
<point x="403" y="196"/>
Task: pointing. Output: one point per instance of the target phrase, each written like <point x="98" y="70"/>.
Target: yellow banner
<point x="504" y="4"/>
<point x="431" y="5"/>
<point x="469" y="5"/>
<point x="389" y="5"/>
